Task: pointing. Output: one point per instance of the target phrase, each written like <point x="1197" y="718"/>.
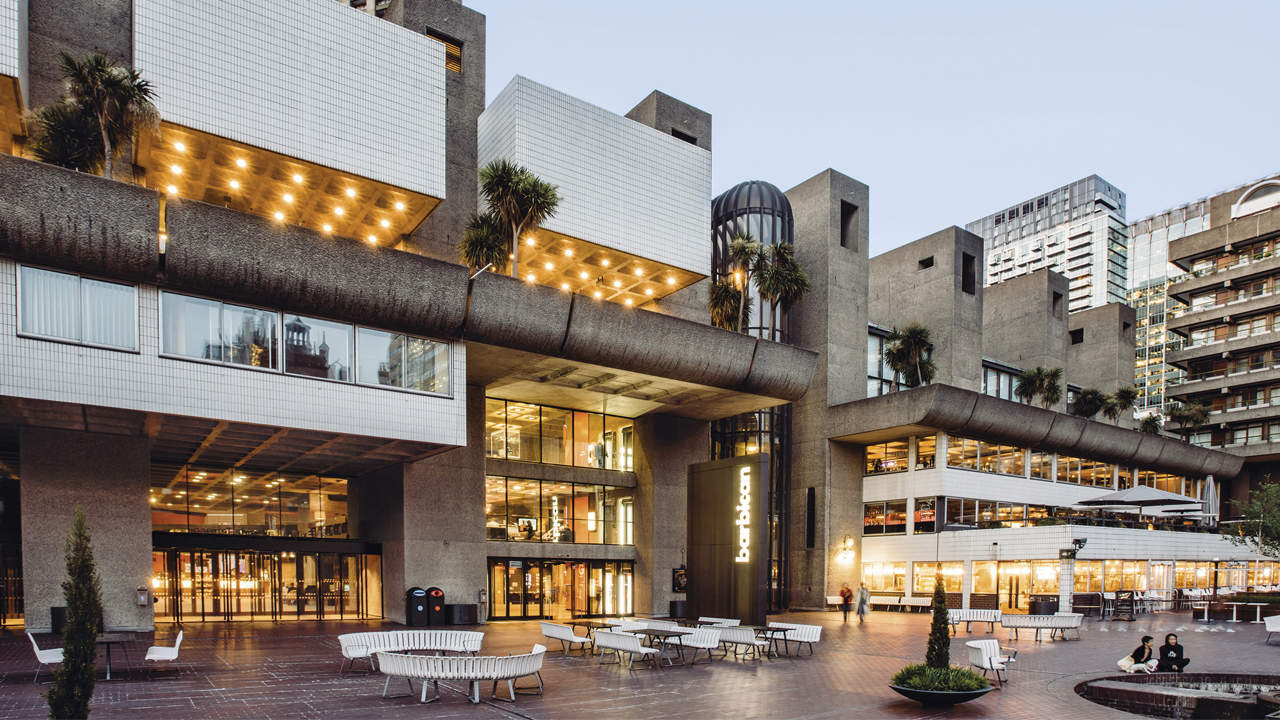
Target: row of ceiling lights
<point x="583" y="275"/>
<point x="175" y="169"/>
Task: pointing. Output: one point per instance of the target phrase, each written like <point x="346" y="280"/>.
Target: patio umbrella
<point x="1210" y="501"/>
<point x="1139" y="496"/>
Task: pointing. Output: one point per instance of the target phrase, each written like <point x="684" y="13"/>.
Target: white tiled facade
<point x="145" y="381"/>
<point x="318" y="81"/>
<point x="623" y="185"/>
<point x="13" y="40"/>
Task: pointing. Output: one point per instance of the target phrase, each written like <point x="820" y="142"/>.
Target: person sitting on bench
<point x="1170" y="655"/>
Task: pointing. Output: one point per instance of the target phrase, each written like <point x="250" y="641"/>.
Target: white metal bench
<point x="363" y="645"/>
<point x="1272" y="626"/>
<point x="564" y="633"/>
<point x="468" y="668"/>
<point x="835" y="600"/>
<point x="1061" y="622"/>
<point x="968" y="617"/>
<point x="744" y="641"/>
<point x="987" y="655"/>
<point x="799" y="634"/>
<point x="720" y="622"/>
<point x="705" y="638"/>
<point x="616" y="643"/>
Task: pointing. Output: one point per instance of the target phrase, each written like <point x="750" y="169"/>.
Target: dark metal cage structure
<point x="761" y="210"/>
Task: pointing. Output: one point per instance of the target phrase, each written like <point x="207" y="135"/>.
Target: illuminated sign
<point x="744" y="515"/>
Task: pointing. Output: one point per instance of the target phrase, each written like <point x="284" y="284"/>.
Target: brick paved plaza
<point x="290" y="670"/>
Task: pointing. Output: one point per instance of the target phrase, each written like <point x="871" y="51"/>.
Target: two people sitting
<point x="1168" y="658"/>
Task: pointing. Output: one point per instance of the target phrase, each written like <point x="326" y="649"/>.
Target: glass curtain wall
<point x="195" y="500"/>
<point x="521" y="589"/>
<point x="524" y="510"/>
<point x="556" y="436"/>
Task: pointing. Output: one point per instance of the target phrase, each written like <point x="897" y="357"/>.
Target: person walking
<point x="1170" y="655"/>
<point x="864" y="602"/>
<point x="1140" y="660"/>
<point x="846" y="600"/>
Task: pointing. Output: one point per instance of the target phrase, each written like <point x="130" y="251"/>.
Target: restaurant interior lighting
<point x="568" y="252"/>
<point x="278" y="215"/>
<point x="339" y="211"/>
<point x="297" y="178"/>
<point x="605" y="262"/>
<point x="288" y="197"/>
<point x="549" y="266"/>
<point x="597" y="294"/>
<point x="180" y="146"/>
<point x="373" y="239"/>
<point x="531" y="277"/>
<point x="175" y="169"/>
<point x="583" y="275"/>
<point x="385" y="223"/>
<point x="327" y="227"/>
<point x="399" y="205"/>
<point x="639" y="272"/>
<point x="172" y="189"/>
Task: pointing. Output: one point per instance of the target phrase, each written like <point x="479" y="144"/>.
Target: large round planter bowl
<point x="941" y="698"/>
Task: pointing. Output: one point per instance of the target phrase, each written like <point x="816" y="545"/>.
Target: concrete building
<point x="1228" y="323"/>
<point x="1077" y="230"/>
<point x="251" y="360"/>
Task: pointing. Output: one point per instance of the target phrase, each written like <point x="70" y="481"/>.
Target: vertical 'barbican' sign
<point x="743" y="521"/>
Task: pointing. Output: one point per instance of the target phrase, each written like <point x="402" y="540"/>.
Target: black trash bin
<point x="58" y="618"/>
<point x="678" y="608"/>
<point x="436" y="613"/>
<point x="462" y="614"/>
<point x="415" y="607"/>
<point x="1043" y="607"/>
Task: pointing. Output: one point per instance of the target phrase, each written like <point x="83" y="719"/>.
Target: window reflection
<point x="536" y="433"/>
<point x="525" y="510"/>
<point x="318" y="348"/>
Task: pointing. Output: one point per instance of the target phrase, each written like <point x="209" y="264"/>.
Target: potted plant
<point x="936" y="682"/>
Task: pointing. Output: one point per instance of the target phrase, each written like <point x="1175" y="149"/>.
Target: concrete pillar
<point x="966" y="583"/>
<point x="843" y="517"/>
<point x="665" y="447"/>
<point x="1066" y="583"/>
<point x="108" y="476"/>
<point x="429" y="517"/>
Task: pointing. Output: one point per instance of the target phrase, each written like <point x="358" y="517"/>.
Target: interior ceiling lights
<point x="186" y="163"/>
<point x="573" y="265"/>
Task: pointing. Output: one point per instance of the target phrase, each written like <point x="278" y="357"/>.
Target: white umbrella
<point x="1139" y="496"/>
<point x="1210" y="501"/>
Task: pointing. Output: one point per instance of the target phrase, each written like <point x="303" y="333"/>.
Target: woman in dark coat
<point x="1170" y="655"/>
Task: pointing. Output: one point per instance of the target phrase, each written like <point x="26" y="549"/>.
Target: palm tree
<point x="1188" y="418"/>
<point x="64" y="134"/>
<point x="745" y="257"/>
<point x="908" y="353"/>
<point x="1120" y="401"/>
<point x="1089" y="402"/>
<point x="1029" y="384"/>
<point x="117" y="97"/>
<point x="725" y="303"/>
<point x="1051" y="390"/>
<point x="781" y="281"/>
<point x="1151" y="424"/>
<point x="484" y="242"/>
<point x="521" y="199"/>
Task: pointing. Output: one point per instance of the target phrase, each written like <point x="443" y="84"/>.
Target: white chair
<point x="564" y="633"/>
<point x="744" y="641"/>
<point x="44" y="658"/>
<point x="616" y="643"/>
<point x="704" y="638"/>
<point x="720" y="622"/>
<point x="799" y="634"/>
<point x="986" y="655"/>
<point x="164" y="653"/>
<point x="1272" y="626"/>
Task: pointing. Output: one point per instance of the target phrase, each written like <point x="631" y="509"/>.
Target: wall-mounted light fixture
<point x="846" y="554"/>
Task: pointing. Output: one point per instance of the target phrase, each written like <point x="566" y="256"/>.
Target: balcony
<point x="1215" y="382"/>
<point x="1184" y="250"/>
<point x="1244" y="414"/>
<point x="1216" y="313"/>
<point x="1190" y="283"/>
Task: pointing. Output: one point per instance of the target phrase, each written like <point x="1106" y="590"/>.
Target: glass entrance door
<point x="558" y="590"/>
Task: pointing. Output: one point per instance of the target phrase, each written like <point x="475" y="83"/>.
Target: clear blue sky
<point x="949" y="111"/>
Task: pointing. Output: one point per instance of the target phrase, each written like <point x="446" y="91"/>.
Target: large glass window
<point x="1041" y="465"/>
<point x="523" y="521"/>
<point x="888" y="577"/>
<point x="68" y="307"/>
<point x="535" y="433"/>
<point x="556" y="436"/>
<point x="249" y="336"/>
<point x="243" y="503"/>
<point x="527" y="510"/>
<point x="873" y="518"/>
<point x="523" y="428"/>
<point x="926" y="451"/>
<point x="887" y="457"/>
<point x="962" y="452"/>
<point x="401" y="361"/>
<point x="984" y="577"/>
<point x="319" y="348"/>
<point x="895" y="516"/>
<point x="495" y="509"/>
<point x="210" y="330"/>
<point x="925" y="514"/>
<point x="1088" y="576"/>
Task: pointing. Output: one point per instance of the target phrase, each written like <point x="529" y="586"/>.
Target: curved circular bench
<point x="363" y="645"/>
<point x="471" y="669"/>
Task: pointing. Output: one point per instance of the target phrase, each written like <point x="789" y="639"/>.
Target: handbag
<point x="1125" y="663"/>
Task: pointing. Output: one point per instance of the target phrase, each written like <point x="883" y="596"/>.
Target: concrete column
<point x="665" y="447"/>
<point x="1066" y="583"/>
<point x="108" y="476"/>
<point x="429" y="517"/>
<point x="843" y="516"/>
<point x="966" y="583"/>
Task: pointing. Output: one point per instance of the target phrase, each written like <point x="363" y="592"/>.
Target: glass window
<point x="523" y="421"/>
<point x="887" y="457"/>
<point x="318" y="348"/>
<point x="495" y="508"/>
<point x="926" y="451"/>
<point x="495" y="428"/>
<point x="523" y="522"/>
<point x="1012" y="460"/>
<point x="962" y="452"/>
<point x="1041" y="465"/>
<point x="961" y="511"/>
<point x="886" y="577"/>
<point x="987" y="513"/>
<point x="67" y="307"/>
<point x="1068" y="469"/>
<point x="380" y="357"/>
<point x="618" y="513"/>
<point x="556" y="434"/>
<point x="426" y="364"/>
<point x="988" y="457"/>
<point x="618" y="433"/>
<point x="1044" y="577"/>
<point x="873" y="518"/>
<point x="984" y="577"/>
<point x="1011" y="515"/>
<point x="895" y="516"/>
<point x="588" y="522"/>
<point x="191" y="327"/>
<point x="557" y="512"/>
<point x="249" y="336"/>
<point x="925" y="514"/>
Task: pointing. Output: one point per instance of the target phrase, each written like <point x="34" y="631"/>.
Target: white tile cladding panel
<point x="310" y="79"/>
<point x="623" y="185"/>
<point x="144" y="381"/>
<point x="984" y="486"/>
<point x="1043" y="543"/>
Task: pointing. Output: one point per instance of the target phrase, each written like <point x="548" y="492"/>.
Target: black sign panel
<point x="728" y="538"/>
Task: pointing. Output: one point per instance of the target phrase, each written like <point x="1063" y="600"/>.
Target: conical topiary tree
<point x="938" y="655"/>
<point x="74" y="679"/>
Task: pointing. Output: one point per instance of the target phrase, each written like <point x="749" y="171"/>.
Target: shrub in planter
<point x="948" y="679"/>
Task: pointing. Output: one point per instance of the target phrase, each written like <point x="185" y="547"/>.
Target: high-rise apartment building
<point x="1150" y="273"/>
<point x="1077" y="230"/>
